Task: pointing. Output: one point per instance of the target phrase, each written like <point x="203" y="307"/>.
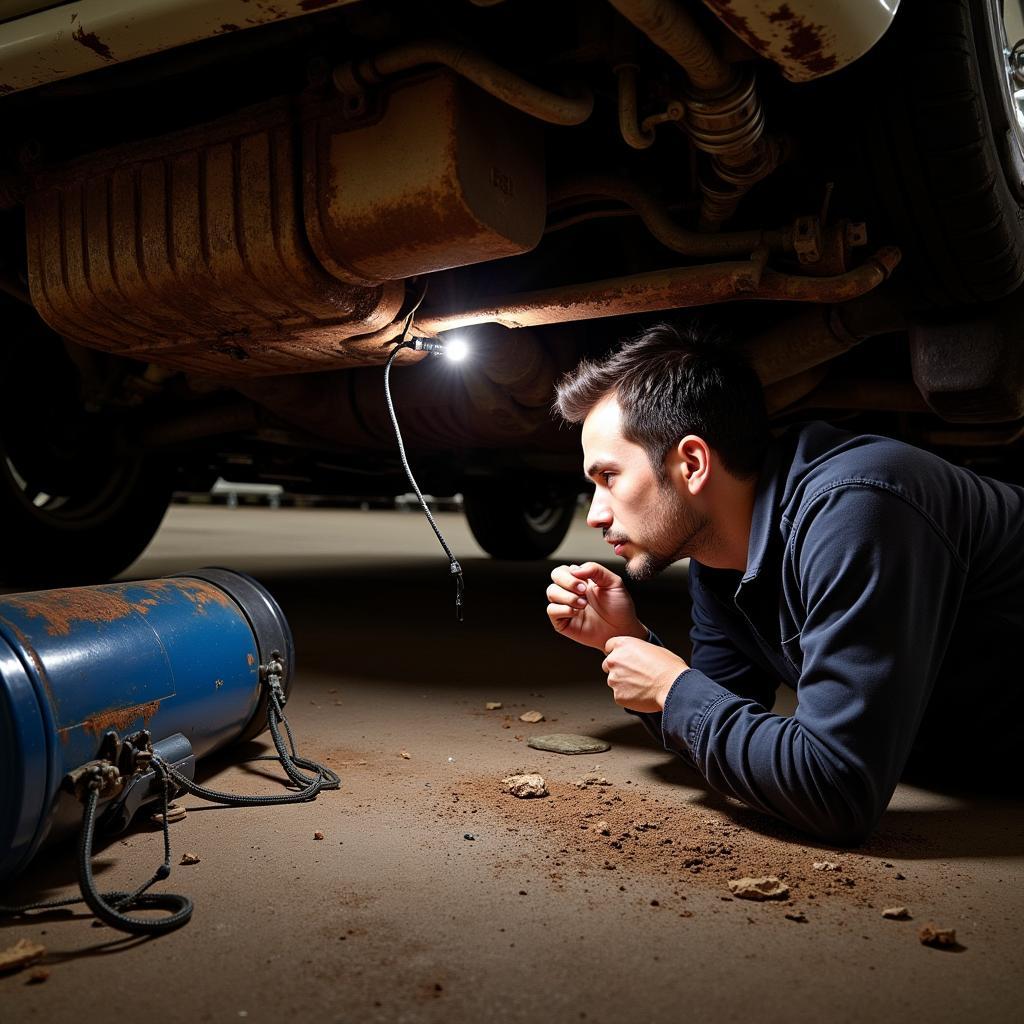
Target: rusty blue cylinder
<point x="179" y="655"/>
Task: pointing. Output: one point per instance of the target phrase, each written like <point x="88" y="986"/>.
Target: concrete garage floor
<point x="395" y="916"/>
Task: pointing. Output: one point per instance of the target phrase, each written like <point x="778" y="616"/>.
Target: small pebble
<point x="931" y="934"/>
<point x="318" y="835"/>
<point x="896" y="913"/>
<point x="469" y="835"/>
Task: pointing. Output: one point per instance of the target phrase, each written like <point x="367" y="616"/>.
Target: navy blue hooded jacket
<point x="887" y="587"/>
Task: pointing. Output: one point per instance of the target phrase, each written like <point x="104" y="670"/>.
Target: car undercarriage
<point x="207" y="253"/>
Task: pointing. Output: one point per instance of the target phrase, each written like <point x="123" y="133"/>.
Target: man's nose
<point x="600" y="515"/>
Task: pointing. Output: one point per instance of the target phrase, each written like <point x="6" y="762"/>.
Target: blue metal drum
<point x="180" y="655"/>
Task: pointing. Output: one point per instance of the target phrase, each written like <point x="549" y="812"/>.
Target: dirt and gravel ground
<point x="599" y="903"/>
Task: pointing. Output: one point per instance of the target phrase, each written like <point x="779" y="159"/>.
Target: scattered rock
<point x="603" y="829"/>
<point x="896" y="913"/>
<point x="318" y="835"/>
<point x="21" y="954"/>
<point x="493" y="705"/>
<point x="768" y="888"/>
<point x="532" y="716"/>
<point x="592" y="779"/>
<point x="174" y="813"/>
<point x="799" y="917"/>
<point x="525" y="785"/>
<point x="405" y="754"/>
<point x="470" y="836"/>
<point x="826" y="865"/>
<point x="37" y="976"/>
<point x="189" y="858"/>
<point x="931" y="934"/>
<point x="568" y="743"/>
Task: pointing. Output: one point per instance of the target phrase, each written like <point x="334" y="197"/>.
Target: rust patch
<point x="228" y="27"/>
<point x="250" y="659"/>
<point x="738" y="24"/>
<point x="64" y="733"/>
<point x="807" y="45"/>
<point x="120" y="718"/>
<point x="58" y="609"/>
<point x="93" y="42"/>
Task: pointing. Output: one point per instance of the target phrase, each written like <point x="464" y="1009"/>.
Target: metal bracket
<point x="146" y="783"/>
<point x="272" y="675"/>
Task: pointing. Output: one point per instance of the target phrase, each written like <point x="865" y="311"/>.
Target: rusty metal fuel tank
<point x="268" y="241"/>
<point x="180" y="657"/>
<point x="446" y="177"/>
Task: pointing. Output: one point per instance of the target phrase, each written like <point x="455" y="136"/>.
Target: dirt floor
<point x="434" y="896"/>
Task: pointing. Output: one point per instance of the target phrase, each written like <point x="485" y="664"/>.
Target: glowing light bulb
<point x="456" y="349"/>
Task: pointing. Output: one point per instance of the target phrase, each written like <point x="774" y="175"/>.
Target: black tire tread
<point x="942" y="184"/>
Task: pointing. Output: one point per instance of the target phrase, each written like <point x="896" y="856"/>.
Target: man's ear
<point x="694" y="462"/>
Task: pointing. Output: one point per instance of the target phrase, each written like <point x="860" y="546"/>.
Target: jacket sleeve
<point x="875" y="578"/>
<point x="718" y="657"/>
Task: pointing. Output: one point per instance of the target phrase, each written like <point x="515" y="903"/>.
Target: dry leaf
<point x="21" y="954"/>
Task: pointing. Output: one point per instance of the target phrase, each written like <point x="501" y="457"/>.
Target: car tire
<point x="946" y="151"/>
<point x="77" y="504"/>
<point x="518" y="525"/>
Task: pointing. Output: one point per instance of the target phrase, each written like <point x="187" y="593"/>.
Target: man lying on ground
<point x="881" y="582"/>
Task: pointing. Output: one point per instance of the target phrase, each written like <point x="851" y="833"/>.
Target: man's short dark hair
<point x="671" y="381"/>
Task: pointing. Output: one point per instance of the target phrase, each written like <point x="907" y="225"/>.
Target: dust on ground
<point x="677" y="849"/>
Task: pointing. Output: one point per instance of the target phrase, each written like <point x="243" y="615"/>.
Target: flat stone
<point x="768" y="888"/>
<point x="568" y="743"/>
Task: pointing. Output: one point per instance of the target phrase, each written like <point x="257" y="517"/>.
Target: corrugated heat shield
<point x="193" y="251"/>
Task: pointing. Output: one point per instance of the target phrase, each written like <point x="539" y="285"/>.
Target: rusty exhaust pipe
<point x="661" y="290"/>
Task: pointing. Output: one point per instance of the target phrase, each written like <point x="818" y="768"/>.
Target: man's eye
<point x="607" y="477"/>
